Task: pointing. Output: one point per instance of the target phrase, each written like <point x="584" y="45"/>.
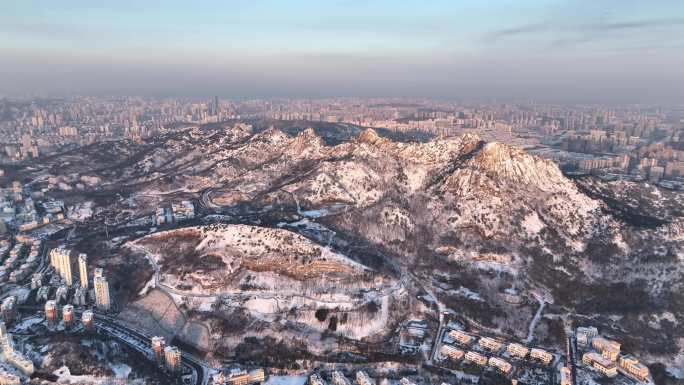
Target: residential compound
<point x="517" y="350"/>
<point x="452" y="352"/>
<point x="461" y="337"/>
<point x="601" y="354"/>
<point x="476" y="358"/>
<point x="608" y="349"/>
<point x="603" y="365"/>
<point x="459" y="346"/>
<point x="241" y="377"/>
<point x="500" y="364"/>
<point x="176" y="212"/>
<point x="62" y="262"/>
<point x="633" y="367"/>
<point x="604" y="356"/>
<point x="490" y="344"/>
<point x="541" y="355"/>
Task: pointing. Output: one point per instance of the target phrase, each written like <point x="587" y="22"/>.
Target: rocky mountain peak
<point x="514" y="164"/>
<point x="307" y="140"/>
<point x="271" y="135"/>
<point x="369" y="135"/>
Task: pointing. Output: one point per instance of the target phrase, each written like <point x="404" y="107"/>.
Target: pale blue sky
<point x="469" y="49"/>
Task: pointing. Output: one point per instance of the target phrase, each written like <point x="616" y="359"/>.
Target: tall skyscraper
<point x="102" y="299"/>
<point x="216" y="106"/>
<point x="83" y="269"/>
<point x="66" y="269"/>
<point x="60" y="259"/>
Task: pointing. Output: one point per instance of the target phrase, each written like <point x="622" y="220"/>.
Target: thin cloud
<point x="515" y="31"/>
<point x="596" y="27"/>
<point x="42" y="29"/>
<point x="571" y="42"/>
<point x="639" y="24"/>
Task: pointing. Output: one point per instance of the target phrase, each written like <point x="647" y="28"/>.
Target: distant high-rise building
<point x="5" y="338"/>
<point x="36" y="281"/>
<point x="314" y="379"/>
<point x="83" y="269"/>
<point x="102" y="299"/>
<point x="363" y="378"/>
<point x="216" y="106"/>
<point x="51" y="311"/>
<point x="7" y="378"/>
<point x="80" y="296"/>
<point x="61" y="294"/>
<point x="87" y="319"/>
<point x="8" y="308"/>
<point x="158" y="346"/>
<point x="172" y="355"/>
<point x="68" y="315"/>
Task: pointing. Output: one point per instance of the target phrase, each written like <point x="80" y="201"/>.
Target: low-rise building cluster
<point x="18" y="209"/>
<point x="244" y="377"/>
<point x="491" y="352"/>
<point x="178" y="211"/>
<point x="19" y="260"/>
<point x="412" y="336"/>
<point x="604" y="356"/>
<point x="339" y="379"/>
<point x="362" y="378"/>
<point x="315" y="379"/>
<point x="12" y="357"/>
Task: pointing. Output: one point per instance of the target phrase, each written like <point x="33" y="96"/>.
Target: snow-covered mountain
<point x="458" y="214"/>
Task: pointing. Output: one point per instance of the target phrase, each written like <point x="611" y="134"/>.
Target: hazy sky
<point x="579" y="50"/>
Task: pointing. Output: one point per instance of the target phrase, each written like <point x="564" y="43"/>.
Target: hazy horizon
<point x="548" y="51"/>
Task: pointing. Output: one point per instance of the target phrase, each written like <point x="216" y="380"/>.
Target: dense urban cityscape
<point x="634" y="142"/>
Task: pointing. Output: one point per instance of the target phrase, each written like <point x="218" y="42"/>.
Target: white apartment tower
<point x="83" y="269"/>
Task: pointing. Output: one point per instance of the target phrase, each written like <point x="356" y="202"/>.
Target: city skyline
<point x="549" y="51"/>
